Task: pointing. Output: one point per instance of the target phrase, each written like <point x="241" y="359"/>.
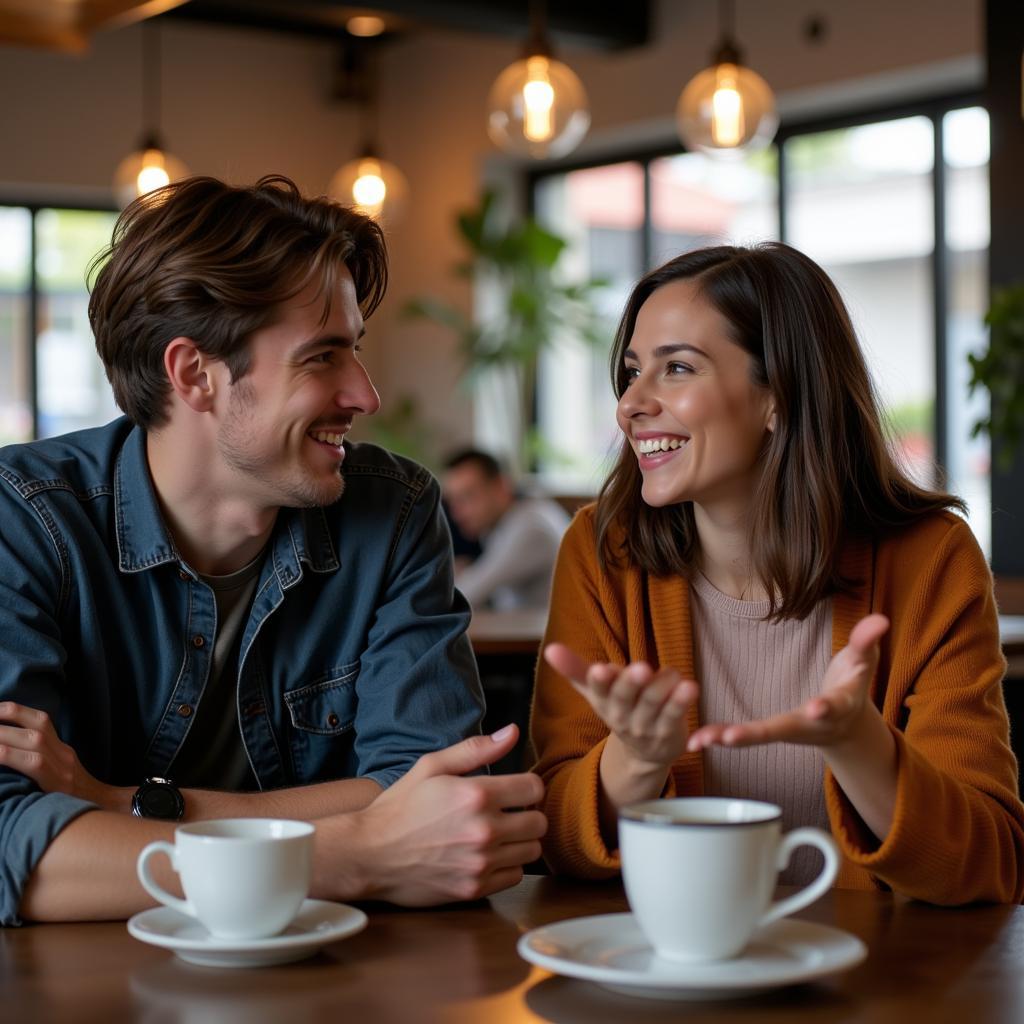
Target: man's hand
<point x="646" y="710"/>
<point x="829" y="720"/>
<point x="29" y="744"/>
<point x="435" y="837"/>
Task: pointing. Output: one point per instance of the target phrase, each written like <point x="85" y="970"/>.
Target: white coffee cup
<point x="700" y="871"/>
<point x="244" y="878"/>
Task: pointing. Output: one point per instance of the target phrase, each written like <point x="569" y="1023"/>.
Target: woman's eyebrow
<point x="667" y="350"/>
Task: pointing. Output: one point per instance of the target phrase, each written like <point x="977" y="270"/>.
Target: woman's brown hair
<point x="204" y="260"/>
<point x="827" y="470"/>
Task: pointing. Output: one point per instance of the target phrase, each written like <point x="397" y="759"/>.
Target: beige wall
<point x="242" y="103"/>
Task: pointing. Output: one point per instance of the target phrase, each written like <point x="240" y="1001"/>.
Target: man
<point x="222" y="590"/>
<point x="519" y="536"/>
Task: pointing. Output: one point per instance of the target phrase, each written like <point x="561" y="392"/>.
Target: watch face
<point x="159" y="799"/>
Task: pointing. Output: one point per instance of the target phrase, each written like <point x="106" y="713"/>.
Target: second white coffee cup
<point x="699" y="872"/>
<point x="244" y="878"/>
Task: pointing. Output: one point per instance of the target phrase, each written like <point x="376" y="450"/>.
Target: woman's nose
<point x="638" y="399"/>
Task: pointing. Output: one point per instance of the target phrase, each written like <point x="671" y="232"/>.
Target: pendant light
<point x="726" y="106"/>
<point x="537" y="106"/>
<point x="150" y="166"/>
<point x="370" y="184"/>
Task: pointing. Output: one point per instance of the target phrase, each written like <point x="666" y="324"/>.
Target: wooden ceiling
<point x="67" y="24"/>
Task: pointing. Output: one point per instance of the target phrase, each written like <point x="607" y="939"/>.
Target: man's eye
<point x="322" y="357"/>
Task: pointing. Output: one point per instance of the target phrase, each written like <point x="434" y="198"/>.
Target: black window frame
<point x="34" y="207"/>
<point x="933" y="107"/>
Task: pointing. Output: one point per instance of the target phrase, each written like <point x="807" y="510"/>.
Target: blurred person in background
<point x="518" y="535"/>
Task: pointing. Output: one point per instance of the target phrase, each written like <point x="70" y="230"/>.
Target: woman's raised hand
<point x="644" y="708"/>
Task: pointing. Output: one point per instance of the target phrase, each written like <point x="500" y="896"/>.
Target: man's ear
<point x="188" y="370"/>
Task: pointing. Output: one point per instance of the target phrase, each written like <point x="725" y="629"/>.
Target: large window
<point x="894" y="207"/>
<point x="51" y="380"/>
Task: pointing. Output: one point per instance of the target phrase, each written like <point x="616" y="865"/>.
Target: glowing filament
<point x="727" y="122"/>
<point x="538" y="101"/>
<point x="369" y="189"/>
<point x="152" y="174"/>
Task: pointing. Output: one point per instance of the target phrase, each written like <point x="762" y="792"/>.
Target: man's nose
<point x="357" y="392"/>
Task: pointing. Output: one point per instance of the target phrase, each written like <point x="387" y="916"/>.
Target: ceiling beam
<point x="67" y="24"/>
<point x="570" y="22"/>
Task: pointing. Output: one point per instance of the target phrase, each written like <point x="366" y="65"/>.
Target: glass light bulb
<point x="374" y="187"/>
<point x="726" y="107"/>
<point x="152" y="174"/>
<point x="144" y="170"/>
<point x="537" y="108"/>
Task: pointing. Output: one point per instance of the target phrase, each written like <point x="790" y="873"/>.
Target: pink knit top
<point x="749" y="669"/>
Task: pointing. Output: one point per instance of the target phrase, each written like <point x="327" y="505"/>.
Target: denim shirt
<point x="353" y="661"/>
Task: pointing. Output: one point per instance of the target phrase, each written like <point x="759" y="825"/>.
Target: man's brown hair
<point x="826" y="469"/>
<point x="208" y="261"/>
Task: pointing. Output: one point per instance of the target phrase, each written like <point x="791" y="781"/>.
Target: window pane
<point x="860" y="204"/>
<point x="600" y="212"/>
<point x="15" y="254"/>
<point x="73" y="389"/>
<point x="697" y="200"/>
<point x="965" y="139"/>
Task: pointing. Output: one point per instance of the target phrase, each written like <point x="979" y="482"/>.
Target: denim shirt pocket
<point x="321" y="717"/>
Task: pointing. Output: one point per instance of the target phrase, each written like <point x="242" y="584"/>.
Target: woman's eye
<point x="631" y="373"/>
<point x="678" y="368"/>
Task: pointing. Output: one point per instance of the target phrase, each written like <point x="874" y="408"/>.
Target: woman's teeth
<point x="661" y="444"/>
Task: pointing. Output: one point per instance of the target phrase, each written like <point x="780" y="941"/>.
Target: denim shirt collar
<point x="143" y="541"/>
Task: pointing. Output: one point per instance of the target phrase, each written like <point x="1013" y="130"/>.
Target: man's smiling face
<point x="286" y="417"/>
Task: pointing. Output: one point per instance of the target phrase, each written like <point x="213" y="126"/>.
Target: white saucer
<point x="611" y="950"/>
<point x="317" y="923"/>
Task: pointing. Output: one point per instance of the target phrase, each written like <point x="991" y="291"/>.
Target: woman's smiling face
<point x="691" y="410"/>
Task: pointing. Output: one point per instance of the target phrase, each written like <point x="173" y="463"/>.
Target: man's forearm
<point x="307" y="803"/>
<point x="301" y="802"/>
<point x="88" y="872"/>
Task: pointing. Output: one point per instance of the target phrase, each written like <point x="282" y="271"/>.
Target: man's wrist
<point x="111" y="798"/>
<point x="342" y="859"/>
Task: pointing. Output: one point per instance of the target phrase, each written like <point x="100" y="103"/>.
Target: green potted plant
<point x="1000" y="370"/>
<point x="517" y="263"/>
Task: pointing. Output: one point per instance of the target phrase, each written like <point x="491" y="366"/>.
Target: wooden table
<point x="521" y="632"/>
<point x="459" y="965"/>
<point x="507" y="633"/>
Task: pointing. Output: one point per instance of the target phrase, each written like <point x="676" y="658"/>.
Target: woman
<point x="756" y="535"/>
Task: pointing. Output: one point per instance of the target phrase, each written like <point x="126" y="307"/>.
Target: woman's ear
<point x="771" y="417"/>
<point x="187" y="368"/>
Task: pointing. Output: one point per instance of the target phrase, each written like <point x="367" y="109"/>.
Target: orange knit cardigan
<point x="958" y="830"/>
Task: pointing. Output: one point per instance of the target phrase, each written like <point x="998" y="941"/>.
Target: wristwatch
<point x="158" y="798"/>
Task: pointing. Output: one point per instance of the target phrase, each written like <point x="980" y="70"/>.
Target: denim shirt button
<point x="198" y="641"/>
<point x="332" y="720"/>
<point x="184" y="576"/>
<point x="185" y="710"/>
